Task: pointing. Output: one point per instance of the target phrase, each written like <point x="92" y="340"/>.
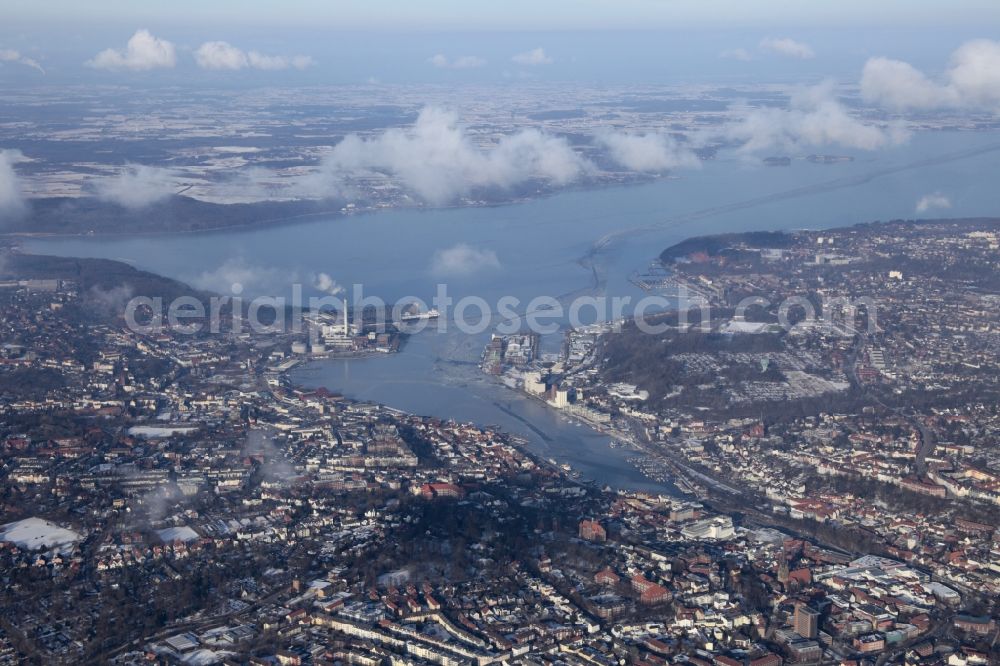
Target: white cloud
<point x="442" y="61"/>
<point x="437" y="159"/>
<point x="10" y="55"/>
<point x="274" y="63"/>
<point x="896" y="84"/>
<point x="225" y="56"/>
<point x="461" y="259"/>
<point x="137" y="186"/>
<point x="220" y="55"/>
<point x="787" y="47"/>
<point x="814" y="118"/>
<point x="143" y="52"/>
<point x="933" y="201"/>
<point x="975" y="73"/>
<point x="533" y="57"/>
<point x="736" y="54"/>
<point x="647" y="152"/>
<point x="252" y="183"/>
<point x="12" y="202"/>
<point x="972" y="81"/>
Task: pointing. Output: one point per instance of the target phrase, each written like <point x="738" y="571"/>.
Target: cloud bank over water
<point x="972" y="81"/>
<point x="815" y="118"/>
<point x="650" y="152"/>
<point x="438" y="159"/>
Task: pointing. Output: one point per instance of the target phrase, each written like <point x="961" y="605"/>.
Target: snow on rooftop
<point x="36" y="533"/>
<point x="751" y="327"/>
<point x="183" y="533"/>
<point x="204" y="657"/>
<point x="153" y="432"/>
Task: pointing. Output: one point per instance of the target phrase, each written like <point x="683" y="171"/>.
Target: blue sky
<point x="518" y="14"/>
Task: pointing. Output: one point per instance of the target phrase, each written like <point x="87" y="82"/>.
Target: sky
<point x="903" y="58"/>
<point x="517" y="14"/>
<point x="451" y="41"/>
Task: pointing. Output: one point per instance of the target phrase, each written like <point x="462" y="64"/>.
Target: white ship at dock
<point x="417" y="316"/>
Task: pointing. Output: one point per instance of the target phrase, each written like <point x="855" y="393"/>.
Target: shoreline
<point x="514" y="439"/>
<point x="615" y="440"/>
<point x="672" y="486"/>
<point x="334" y="214"/>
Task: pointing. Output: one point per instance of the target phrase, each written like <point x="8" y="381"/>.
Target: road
<point x="927" y="440"/>
<point x="940" y="626"/>
<point x="199" y="625"/>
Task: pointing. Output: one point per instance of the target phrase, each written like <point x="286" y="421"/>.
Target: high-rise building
<point x="806" y="621"/>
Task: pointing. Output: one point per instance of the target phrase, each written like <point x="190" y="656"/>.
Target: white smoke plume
<point x="328" y="285"/>
<point x="932" y="201"/>
<point x="274" y="466"/>
<point x="12" y="203"/>
<point x="10" y="55"/>
<point x="462" y="259"/>
<point x="108" y="302"/>
<point x="236" y="275"/>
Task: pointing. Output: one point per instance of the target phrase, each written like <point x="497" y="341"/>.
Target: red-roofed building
<point x="439" y="490"/>
<point x="591" y="530"/>
<point x="801" y="576"/>
<point x="977" y="625"/>
<point x="769" y="659"/>
<point x="727" y="661"/>
<point x="606" y="576"/>
<point x="657" y="646"/>
<point x="649" y="592"/>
